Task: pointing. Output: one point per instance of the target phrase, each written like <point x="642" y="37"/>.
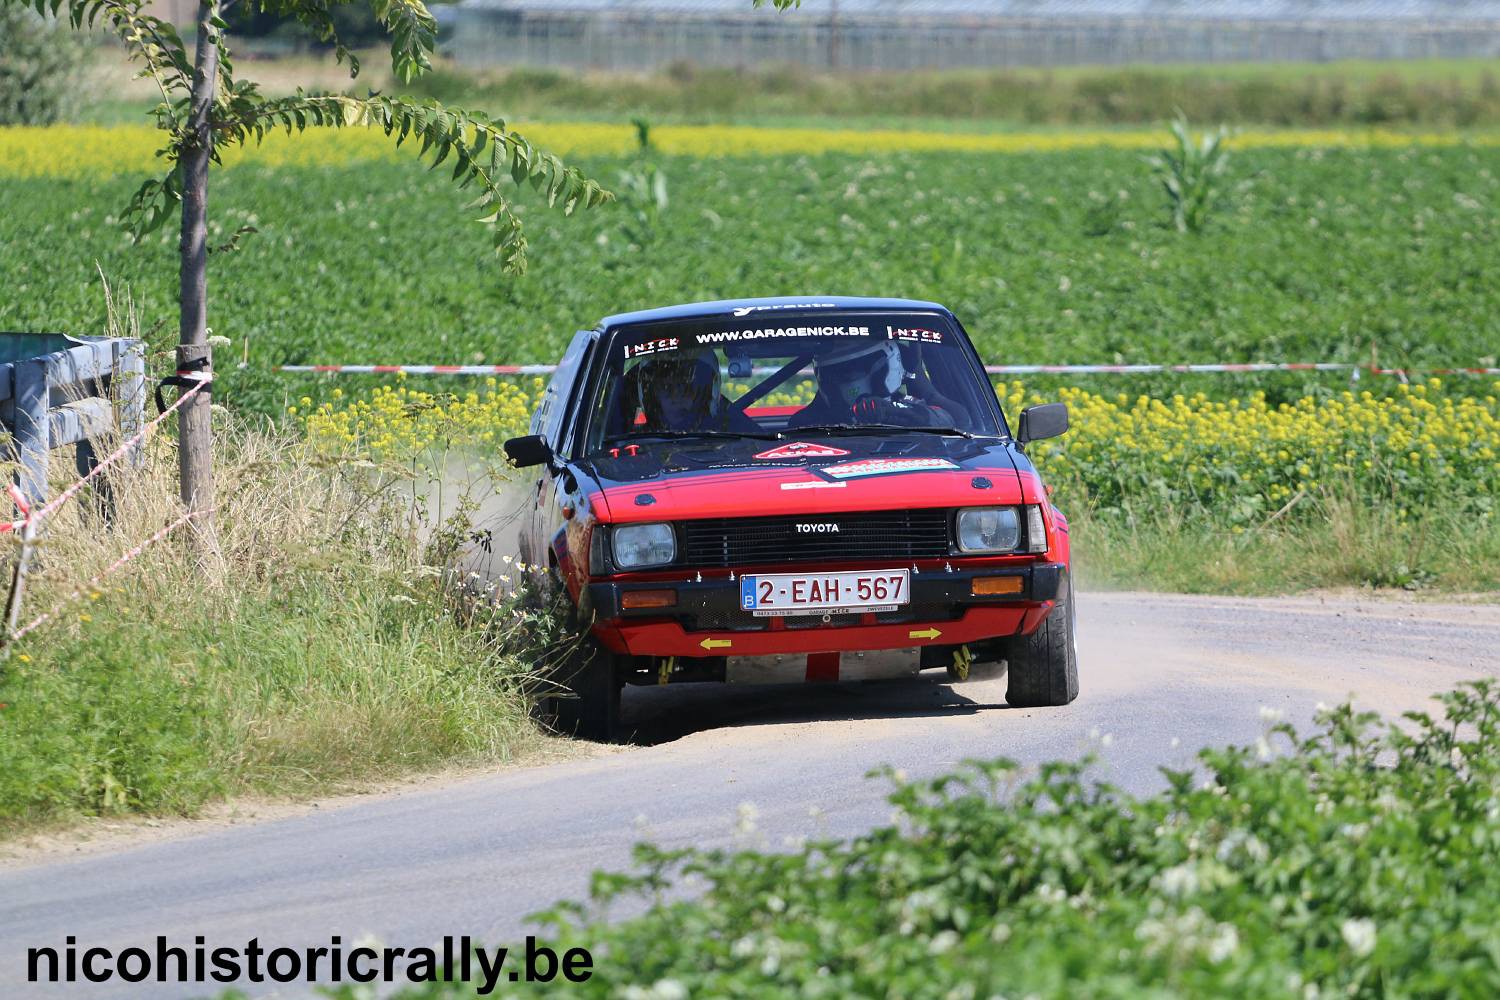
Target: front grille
<point x="736" y="620"/>
<point x="899" y="535"/>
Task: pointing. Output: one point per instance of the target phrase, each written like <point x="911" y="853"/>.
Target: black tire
<point x="586" y="698"/>
<point x="1042" y="668"/>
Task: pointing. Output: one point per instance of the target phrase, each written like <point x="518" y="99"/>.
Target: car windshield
<point x="767" y="376"/>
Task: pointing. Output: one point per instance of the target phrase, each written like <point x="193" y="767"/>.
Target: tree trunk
<point x="195" y="452"/>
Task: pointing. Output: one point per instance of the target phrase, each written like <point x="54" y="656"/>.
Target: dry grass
<point x="298" y="644"/>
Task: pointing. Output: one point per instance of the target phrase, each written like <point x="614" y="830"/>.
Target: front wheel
<point x="1042" y="667"/>
<point x="586" y="703"/>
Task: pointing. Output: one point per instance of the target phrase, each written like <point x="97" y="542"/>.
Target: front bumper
<point x="708" y="621"/>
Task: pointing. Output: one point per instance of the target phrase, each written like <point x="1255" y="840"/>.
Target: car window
<point x="754" y="376"/>
<point x="549" y="418"/>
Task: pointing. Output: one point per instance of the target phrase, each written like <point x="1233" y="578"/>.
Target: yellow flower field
<point x="1240" y="458"/>
<point x="89" y="150"/>
<point x="1250" y="458"/>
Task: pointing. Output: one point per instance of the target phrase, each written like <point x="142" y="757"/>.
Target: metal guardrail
<point x="57" y="390"/>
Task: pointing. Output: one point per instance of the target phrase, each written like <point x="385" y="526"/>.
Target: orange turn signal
<point x="648" y="599"/>
<point x="984" y="585"/>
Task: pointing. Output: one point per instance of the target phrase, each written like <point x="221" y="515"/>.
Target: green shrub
<point x="41" y="67"/>
<point x="1361" y="861"/>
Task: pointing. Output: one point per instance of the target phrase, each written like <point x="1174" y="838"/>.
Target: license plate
<point x="778" y="594"/>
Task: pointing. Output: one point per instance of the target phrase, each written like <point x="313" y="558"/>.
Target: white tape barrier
<point x="34" y="519"/>
<point x="78" y="594"/>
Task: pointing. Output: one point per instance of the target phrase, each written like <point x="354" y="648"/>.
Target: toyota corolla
<point x="770" y="490"/>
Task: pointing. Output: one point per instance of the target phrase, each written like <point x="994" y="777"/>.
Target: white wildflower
<point x="942" y="942"/>
<point x="1051" y="894"/>
<point x="1270" y="716"/>
<point x="668" y="989"/>
<point x="1223" y="944"/>
<point x="1178" y="881"/>
<point x="1359" y="935"/>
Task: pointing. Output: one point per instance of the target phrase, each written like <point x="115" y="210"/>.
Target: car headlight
<point x="989" y="529"/>
<point x="641" y="545"/>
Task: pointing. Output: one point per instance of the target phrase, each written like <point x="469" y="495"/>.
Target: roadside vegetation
<point x="311" y="648"/>
<point x="1355" y="861"/>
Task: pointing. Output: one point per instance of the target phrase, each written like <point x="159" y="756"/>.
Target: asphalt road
<point x="1160" y="676"/>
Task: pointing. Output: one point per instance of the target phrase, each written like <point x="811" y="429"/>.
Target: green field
<point x="1048" y="258"/>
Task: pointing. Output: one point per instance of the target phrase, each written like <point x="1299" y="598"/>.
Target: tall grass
<point x="1343" y="540"/>
<point x="305" y="644"/>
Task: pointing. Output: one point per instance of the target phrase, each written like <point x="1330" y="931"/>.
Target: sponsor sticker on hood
<point x="884" y="467"/>
<point x="803" y="449"/>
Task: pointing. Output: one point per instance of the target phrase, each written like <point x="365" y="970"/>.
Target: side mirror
<point x="1039" y="422"/>
<point x="532" y="449"/>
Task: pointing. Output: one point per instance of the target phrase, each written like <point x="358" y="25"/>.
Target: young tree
<point x="205" y="108"/>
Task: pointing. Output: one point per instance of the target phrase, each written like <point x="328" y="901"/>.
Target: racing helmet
<point x="679" y="390"/>
<point x="848" y="372"/>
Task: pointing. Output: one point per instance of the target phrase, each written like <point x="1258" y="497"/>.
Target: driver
<point x="862" y="382"/>
<point x="682" y="392"/>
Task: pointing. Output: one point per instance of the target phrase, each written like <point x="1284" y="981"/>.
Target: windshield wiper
<point x="708" y="433"/>
<point x="940" y="430"/>
<point x="807" y="429"/>
<point x="872" y="429"/>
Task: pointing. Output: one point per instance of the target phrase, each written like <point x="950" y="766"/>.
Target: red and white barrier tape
<point x="130" y="443"/>
<point x="991" y="369"/>
<point x="19" y="500"/>
<point x="34" y="519"/>
<point x="142" y="547"/>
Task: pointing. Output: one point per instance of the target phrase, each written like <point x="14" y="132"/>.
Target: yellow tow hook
<point x="668" y="664"/>
<point x="959" y="669"/>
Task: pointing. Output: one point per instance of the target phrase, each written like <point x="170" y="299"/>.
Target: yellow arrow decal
<point x="716" y="643"/>
<point x="926" y="633"/>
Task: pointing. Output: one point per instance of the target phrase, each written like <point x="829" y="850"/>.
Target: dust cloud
<point x="494" y="500"/>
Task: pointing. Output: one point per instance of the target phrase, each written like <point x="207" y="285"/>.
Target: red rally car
<point x="776" y="490"/>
